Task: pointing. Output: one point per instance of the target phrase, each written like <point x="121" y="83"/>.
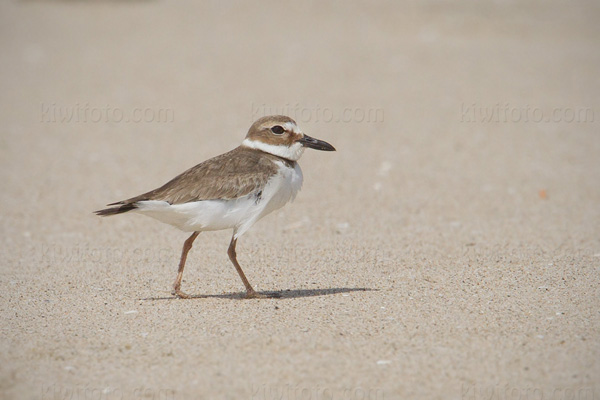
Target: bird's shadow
<point x="281" y="294"/>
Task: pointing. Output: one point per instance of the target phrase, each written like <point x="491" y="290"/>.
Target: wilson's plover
<point x="230" y="191"/>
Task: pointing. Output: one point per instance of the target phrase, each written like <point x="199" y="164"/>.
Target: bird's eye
<point x="277" y="129"/>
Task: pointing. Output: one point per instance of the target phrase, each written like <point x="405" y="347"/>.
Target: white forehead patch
<point x="291" y="127"/>
<point x="293" y="152"/>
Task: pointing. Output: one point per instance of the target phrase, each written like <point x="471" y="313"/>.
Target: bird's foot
<point x="180" y="295"/>
<point x="251" y="294"/>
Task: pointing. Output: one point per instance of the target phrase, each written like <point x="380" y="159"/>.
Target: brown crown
<point x="262" y="130"/>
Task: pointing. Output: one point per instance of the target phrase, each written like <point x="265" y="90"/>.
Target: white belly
<point x="238" y="214"/>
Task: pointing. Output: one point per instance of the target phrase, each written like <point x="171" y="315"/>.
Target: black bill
<point x="313" y="143"/>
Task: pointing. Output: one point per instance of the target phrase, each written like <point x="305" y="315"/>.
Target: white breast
<point x="281" y="189"/>
<point x="238" y="214"/>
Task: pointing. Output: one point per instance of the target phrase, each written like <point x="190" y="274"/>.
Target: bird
<point x="230" y="191"/>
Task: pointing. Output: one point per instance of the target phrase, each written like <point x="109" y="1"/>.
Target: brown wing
<point x="228" y="176"/>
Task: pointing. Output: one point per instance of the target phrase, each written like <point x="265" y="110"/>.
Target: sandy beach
<point x="449" y="249"/>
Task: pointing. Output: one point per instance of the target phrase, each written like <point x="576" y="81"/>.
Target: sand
<point x="450" y="248"/>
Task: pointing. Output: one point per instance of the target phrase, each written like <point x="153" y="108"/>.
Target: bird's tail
<point x="120" y="209"/>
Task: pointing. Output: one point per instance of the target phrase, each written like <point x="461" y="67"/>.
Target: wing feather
<point x="228" y="176"/>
